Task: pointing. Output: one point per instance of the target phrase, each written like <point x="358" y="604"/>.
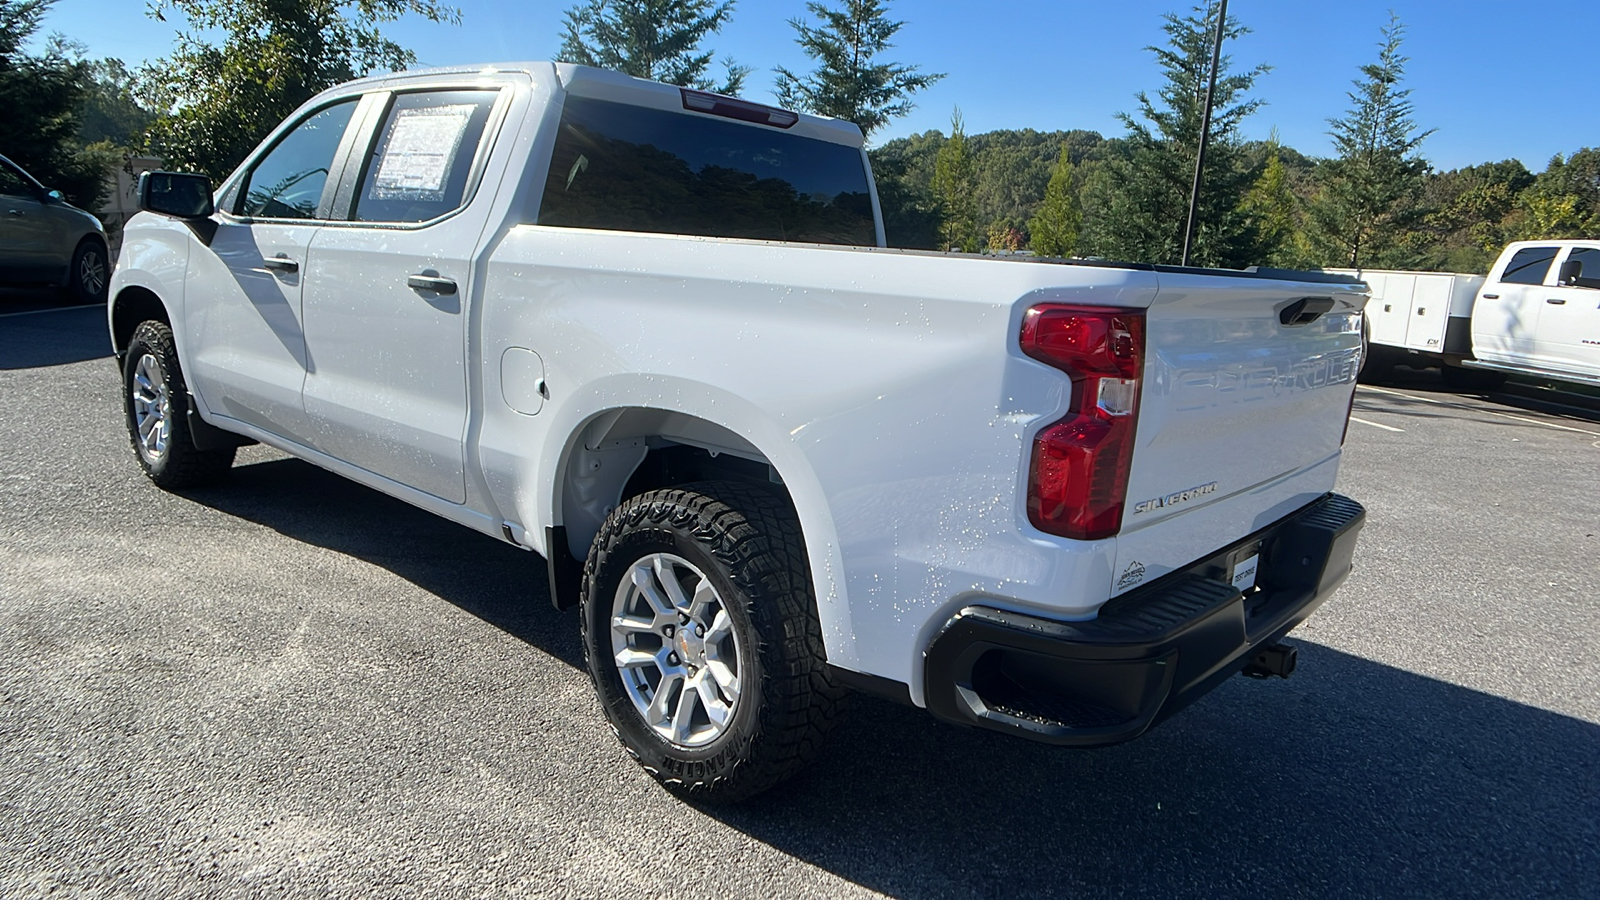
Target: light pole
<point x="1205" y="131"/>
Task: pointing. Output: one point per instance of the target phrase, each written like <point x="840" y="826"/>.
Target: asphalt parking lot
<point x="292" y="685"/>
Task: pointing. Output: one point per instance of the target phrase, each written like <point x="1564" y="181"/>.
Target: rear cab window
<point x="1530" y="265"/>
<point x="621" y="167"/>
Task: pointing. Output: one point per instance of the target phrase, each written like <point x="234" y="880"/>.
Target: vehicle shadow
<point x="54" y="337"/>
<point x="490" y="579"/>
<point x="1562" y="402"/>
<point x="1353" y="779"/>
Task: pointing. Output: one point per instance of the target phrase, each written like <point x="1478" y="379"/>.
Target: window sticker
<point x="422" y="145"/>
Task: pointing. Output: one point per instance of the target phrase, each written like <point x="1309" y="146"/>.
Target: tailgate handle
<point x="1305" y="310"/>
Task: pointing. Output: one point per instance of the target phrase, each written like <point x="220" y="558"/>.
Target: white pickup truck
<point x="654" y="335"/>
<point x="1537" y="313"/>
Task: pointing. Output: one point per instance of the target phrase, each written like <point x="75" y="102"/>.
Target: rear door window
<point x="423" y="160"/>
<point x="1589" y="259"/>
<point x="632" y="168"/>
<point x="1529" y="265"/>
<point x="287" y="182"/>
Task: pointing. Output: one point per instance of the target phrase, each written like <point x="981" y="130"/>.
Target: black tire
<point x="173" y="462"/>
<point x="89" y="278"/>
<point x="1462" y="379"/>
<point x="746" y="542"/>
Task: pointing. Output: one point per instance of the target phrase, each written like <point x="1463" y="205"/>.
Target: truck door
<point x="1507" y="312"/>
<point x="1569" y="319"/>
<point x="242" y="302"/>
<point x="387" y="293"/>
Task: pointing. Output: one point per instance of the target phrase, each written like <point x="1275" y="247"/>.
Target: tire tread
<point x="755" y="533"/>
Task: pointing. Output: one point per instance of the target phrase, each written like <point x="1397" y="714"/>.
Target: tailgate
<point x="1241" y="415"/>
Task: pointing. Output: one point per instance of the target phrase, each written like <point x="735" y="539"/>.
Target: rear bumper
<point x="1150" y="652"/>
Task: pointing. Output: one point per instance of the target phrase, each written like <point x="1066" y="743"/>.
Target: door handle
<point x="1556" y="300"/>
<point x="281" y="263"/>
<point x="15" y="212"/>
<point x="1491" y="296"/>
<point x="431" y="283"/>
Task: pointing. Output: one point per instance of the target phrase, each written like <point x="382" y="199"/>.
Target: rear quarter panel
<point x="885" y="387"/>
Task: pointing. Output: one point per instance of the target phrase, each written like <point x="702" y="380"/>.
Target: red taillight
<point x="1078" y="481"/>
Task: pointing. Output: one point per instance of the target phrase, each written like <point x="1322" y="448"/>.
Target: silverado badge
<point x="1175" y="499"/>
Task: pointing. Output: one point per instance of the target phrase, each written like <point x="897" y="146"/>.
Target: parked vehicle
<point x="1536" y="313"/>
<point x="654" y="335"/>
<point x="46" y="240"/>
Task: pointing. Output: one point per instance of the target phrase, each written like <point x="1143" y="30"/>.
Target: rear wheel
<point x="157" y="405"/>
<point x="701" y="635"/>
<point x="90" y="274"/>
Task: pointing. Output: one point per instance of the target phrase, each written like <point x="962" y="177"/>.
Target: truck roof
<point x="600" y="84"/>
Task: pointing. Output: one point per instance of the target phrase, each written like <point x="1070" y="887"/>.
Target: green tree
<point x="848" y="83"/>
<point x="1369" y="209"/>
<point x="111" y="110"/>
<point x="1054" y="228"/>
<point x="1272" y="211"/>
<point x="910" y="211"/>
<point x="654" y="39"/>
<point x="1139" y="210"/>
<point x="1563" y="202"/>
<point x="1472" y="214"/>
<point x="218" y="100"/>
<point x="41" y="95"/>
<point x="953" y="180"/>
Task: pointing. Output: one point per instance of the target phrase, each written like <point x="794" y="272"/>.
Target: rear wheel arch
<point x="625" y="452"/>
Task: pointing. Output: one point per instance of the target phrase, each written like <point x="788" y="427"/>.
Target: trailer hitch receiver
<point x="1273" y="659"/>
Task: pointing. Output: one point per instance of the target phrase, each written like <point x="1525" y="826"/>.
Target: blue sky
<point x="1496" y="80"/>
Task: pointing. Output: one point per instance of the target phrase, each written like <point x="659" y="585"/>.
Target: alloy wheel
<point x="676" y="650"/>
<point x="152" y="408"/>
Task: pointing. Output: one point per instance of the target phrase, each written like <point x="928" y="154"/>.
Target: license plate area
<point x="1237" y="567"/>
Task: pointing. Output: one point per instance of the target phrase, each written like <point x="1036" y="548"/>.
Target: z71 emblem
<point x="1174" y="499"/>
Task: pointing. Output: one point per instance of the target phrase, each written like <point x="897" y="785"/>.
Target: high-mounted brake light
<point x="743" y="110"/>
<point x="1078" y="479"/>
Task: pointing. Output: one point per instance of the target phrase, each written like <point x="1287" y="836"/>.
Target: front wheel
<point x="701" y="635"/>
<point x="157" y="405"/>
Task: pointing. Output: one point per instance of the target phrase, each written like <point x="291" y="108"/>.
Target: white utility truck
<point x="654" y="335"/>
<point x="1536" y="313"/>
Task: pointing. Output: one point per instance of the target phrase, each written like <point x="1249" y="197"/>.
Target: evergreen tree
<point x="1272" y="211"/>
<point x="654" y="39"/>
<point x="1369" y="208"/>
<point x="218" y="101"/>
<point x="847" y="83"/>
<point x="1140" y="207"/>
<point x="1054" y="228"/>
<point x="953" y="181"/>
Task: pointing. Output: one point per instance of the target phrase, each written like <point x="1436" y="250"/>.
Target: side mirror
<point x="1571" y="271"/>
<point x="55" y="197"/>
<point x="176" y="194"/>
